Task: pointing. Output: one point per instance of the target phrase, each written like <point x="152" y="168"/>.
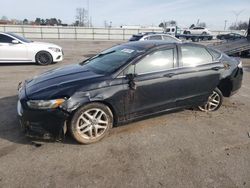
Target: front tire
<point x="44" y="58"/>
<point x="214" y="102"/>
<point x="91" y="123"/>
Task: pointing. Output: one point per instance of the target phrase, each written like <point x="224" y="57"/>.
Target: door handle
<point x="169" y="75"/>
<point x="216" y="68"/>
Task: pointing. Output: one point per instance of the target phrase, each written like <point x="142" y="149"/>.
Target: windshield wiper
<point x="98" y="55"/>
<point x="102" y="54"/>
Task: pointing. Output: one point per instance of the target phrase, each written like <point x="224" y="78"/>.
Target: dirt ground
<point x="182" y="149"/>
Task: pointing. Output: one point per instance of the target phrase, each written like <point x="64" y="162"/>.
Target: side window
<point x="215" y="53"/>
<point x="169" y="39"/>
<point x="155" y="37"/>
<point x="5" y="39"/>
<point x="156" y="62"/>
<point x="193" y="56"/>
<point x="146" y="38"/>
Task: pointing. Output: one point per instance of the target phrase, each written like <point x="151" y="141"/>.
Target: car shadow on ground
<point x="17" y="64"/>
<point x="10" y="128"/>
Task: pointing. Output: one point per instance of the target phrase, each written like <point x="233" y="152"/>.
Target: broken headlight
<point x="45" y="104"/>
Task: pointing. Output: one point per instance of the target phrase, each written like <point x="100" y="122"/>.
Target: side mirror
<point x="15" y="42"/>
<point x="131" y="81"/>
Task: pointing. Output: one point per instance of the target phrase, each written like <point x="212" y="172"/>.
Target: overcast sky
<point x="132" y="12"/>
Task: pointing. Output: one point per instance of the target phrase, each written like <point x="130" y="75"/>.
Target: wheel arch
<point x="225" y="86"/>
<point x="46" y="52"/>
<point x="109" y="105"/>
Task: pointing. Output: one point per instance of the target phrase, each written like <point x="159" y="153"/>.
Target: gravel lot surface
<point x="183" y="149"/>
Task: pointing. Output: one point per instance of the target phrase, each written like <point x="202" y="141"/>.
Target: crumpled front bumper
<point x="45" y="124"/>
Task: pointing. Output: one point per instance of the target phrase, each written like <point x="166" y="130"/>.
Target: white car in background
<point x="154" y="36"/>
<point x="197" y="31"/>
<point x="16" y="49"/>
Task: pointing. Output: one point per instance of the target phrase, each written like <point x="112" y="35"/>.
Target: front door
<point x="10" y="52"/>
<point x="155" y="86"/>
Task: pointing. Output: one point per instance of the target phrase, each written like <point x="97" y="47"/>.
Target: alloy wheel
<point x="213" y="103"/>
<point x="92" y="123"/>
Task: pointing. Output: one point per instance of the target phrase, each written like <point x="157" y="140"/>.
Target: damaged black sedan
<point x="123" y="83"/>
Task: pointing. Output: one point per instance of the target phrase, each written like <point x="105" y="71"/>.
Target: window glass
<point x="169" y="39"/>
<point x="5" y="39"/>
<point x="20" y="38"/>
<point x="193" y="56"/>
<point x="155" y="62"/>
<point x="155" y="37"/>
<point x="215" y="53"/>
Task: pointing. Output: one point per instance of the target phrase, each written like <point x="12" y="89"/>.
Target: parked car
<point x="230" y="36"/>
<point x="17" y="49"/>
<point x="123" y="83"/>
<point x="150" y="36"/>
<point x="197" y="31"/>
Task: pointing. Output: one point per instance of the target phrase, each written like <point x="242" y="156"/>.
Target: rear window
<point x="155" y="37"/>
<point x="135" y="38"/>
<point x="169" y="39"/>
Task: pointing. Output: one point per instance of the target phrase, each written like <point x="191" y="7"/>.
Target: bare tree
<point x="239" y="26"/>
<point x="202" y="24"/>
<point x="4" y="18"/>
<point x="81" y="17"/>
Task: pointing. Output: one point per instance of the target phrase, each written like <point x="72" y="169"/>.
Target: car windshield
<point x="110" y="60"/>
<point x="20" y="38"/>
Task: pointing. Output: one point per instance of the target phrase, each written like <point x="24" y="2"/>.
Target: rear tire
<point x="91" y="123"/>
<point x="44" y="58"/>
<point x="214" y="102"/>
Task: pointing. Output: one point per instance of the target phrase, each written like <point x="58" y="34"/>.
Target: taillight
<point x="240" y="64"/>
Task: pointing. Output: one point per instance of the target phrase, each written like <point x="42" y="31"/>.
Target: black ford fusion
<point x="123" y="83"/>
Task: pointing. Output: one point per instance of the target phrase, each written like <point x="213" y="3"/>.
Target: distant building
<point x="4" y="22"/>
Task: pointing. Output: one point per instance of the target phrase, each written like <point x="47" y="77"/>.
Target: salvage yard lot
<point x="183" y="149"/>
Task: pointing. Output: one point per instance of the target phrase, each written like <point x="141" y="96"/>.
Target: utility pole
<point x="88" y="13"/>
<point x="198" y="21"/>
<point x="237" y="13"/>
<point x="225" y="26"/>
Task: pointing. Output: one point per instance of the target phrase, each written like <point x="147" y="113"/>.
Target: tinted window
<point x="193" y="56"/>
<point x="20" y="38"/>
<point x="169" y="39"/>
<point x="135" y="38"/>
<point x="157" y="61"/>
<point x="155" y="37"/>
<point x="5" y="39"/>
<point x="215" y="54"/>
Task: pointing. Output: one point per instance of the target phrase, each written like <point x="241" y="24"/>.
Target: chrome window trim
<point x="172" y="69"/>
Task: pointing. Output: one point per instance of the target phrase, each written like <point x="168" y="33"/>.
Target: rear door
<point x="10" y="52"/>
<point x="198" y="75"/>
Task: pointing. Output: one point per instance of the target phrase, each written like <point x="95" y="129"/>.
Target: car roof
<point x="146" y="45"/>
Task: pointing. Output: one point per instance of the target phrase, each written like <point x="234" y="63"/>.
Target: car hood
<point x="60" y="82"/>
<point x="45" y="44"/>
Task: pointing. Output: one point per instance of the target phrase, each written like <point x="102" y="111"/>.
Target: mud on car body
<point x="126" y="82"/>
